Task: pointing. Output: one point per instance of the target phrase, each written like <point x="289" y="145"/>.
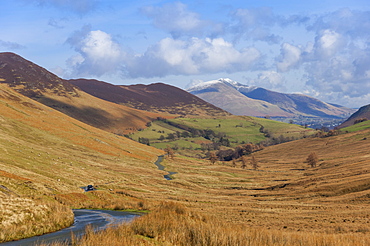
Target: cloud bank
<point x="333" y="58"/>
<point x="176" y="19"/>
<point x="190" y="57"/>
<point x="336" y="64"/>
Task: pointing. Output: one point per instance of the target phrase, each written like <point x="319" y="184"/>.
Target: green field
<point x="182" y="133"/>
<point x="357" y="127"/>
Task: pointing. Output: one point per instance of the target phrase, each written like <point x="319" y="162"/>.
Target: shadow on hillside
<point x="89" y="115"/>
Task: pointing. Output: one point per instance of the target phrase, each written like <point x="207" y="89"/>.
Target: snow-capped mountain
<point x="240" y="99"/>
<point x="206" y="84"/>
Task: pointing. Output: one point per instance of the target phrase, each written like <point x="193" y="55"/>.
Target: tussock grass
<point x="23" y="217"/>
<point x="174" y="224"/>
<point x="117" y="200"/>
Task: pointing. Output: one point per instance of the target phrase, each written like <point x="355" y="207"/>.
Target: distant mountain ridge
<point x="43" y="86"/>
<point x="118" y="109"/>
<point x="156" y="97"/>
<point x="241" y="99"/>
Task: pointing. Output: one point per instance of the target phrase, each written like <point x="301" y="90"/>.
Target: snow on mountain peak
<point x="200" y="85"/>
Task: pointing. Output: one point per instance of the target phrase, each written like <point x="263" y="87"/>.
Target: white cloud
<point x="328" y="43"/>
<point x="337" y="68"/>
<point x="98" y="53"/>
<point x="260" y="24"/>
<point x="289" y="58"/>
<point x="272" y="77"/>
<point x="268" y="79"/>
<point x="190" y="57"/>
<point x="351" y="23"/>
<point x="341" y="78"/>
<point x="176" y="19"/>
<point x="336" y="64"/>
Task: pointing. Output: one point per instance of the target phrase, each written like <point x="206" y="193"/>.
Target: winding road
<point x="99" y="219"/>
<point x="161" y="167"/>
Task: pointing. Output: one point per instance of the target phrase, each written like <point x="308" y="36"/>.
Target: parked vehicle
<point x="89" y="188"/>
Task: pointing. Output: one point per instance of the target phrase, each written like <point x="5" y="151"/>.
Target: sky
<point x="319" y="48"/>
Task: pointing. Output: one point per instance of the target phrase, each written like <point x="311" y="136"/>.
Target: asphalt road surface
<point x="98" y="219"/>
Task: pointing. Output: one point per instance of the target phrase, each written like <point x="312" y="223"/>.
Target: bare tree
<point x="312" y="159"/>
<point x="170" y="152"/>
<point x="213" y="157"/>
<point x="254" y="163"/>
<point x="244" y="161"/>
<point x="233" y="164"/>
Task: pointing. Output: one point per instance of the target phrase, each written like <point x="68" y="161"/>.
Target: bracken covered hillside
<point x="157" y="97"/>
<point x="37" y="83"/>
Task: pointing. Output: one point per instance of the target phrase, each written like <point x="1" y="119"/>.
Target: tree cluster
<point x="170" y="152"/>
<point x="193" y="132"/>
<point x="272" y="140"/>
<point x="360" y="120"/>
<point x="144" y="141"/>
<point x="330" y="133"/>
<point x="241" y="150"/>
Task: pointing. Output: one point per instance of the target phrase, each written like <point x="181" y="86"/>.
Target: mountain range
<point x="123" y="109"/>
<point x="157" y="97"/>
<point x="120" y="109"/>
<point x="239" y="99"/>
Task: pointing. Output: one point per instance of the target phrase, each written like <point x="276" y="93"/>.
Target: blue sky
<point x="319" y="48"/>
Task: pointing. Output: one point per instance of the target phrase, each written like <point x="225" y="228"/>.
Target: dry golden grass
<point x="23" y="217"/>
<point x="284" y="194"/>
<point x="173" y="224"/>
<point x="45" y="156"/>
<point x="99" y="113"/>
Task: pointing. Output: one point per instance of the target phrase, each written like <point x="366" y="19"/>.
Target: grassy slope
<point x="47" y="155"/>
<point x="62" y="146"/>
<point x="284" y="202"/>
<point x="357" y="127"/>
<point x="99" y="113"/>
<point x="237" y="128"/>
<point x="332" y="197"/>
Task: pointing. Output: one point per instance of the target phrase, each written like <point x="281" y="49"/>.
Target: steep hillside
<point x="37" y="83"/>
<point x="362" y="114"/>
<point x="156" y="97"/>
<point x="254" y="101"/>
<point x="32" y="125"/>
<point x="46" y="156"/>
